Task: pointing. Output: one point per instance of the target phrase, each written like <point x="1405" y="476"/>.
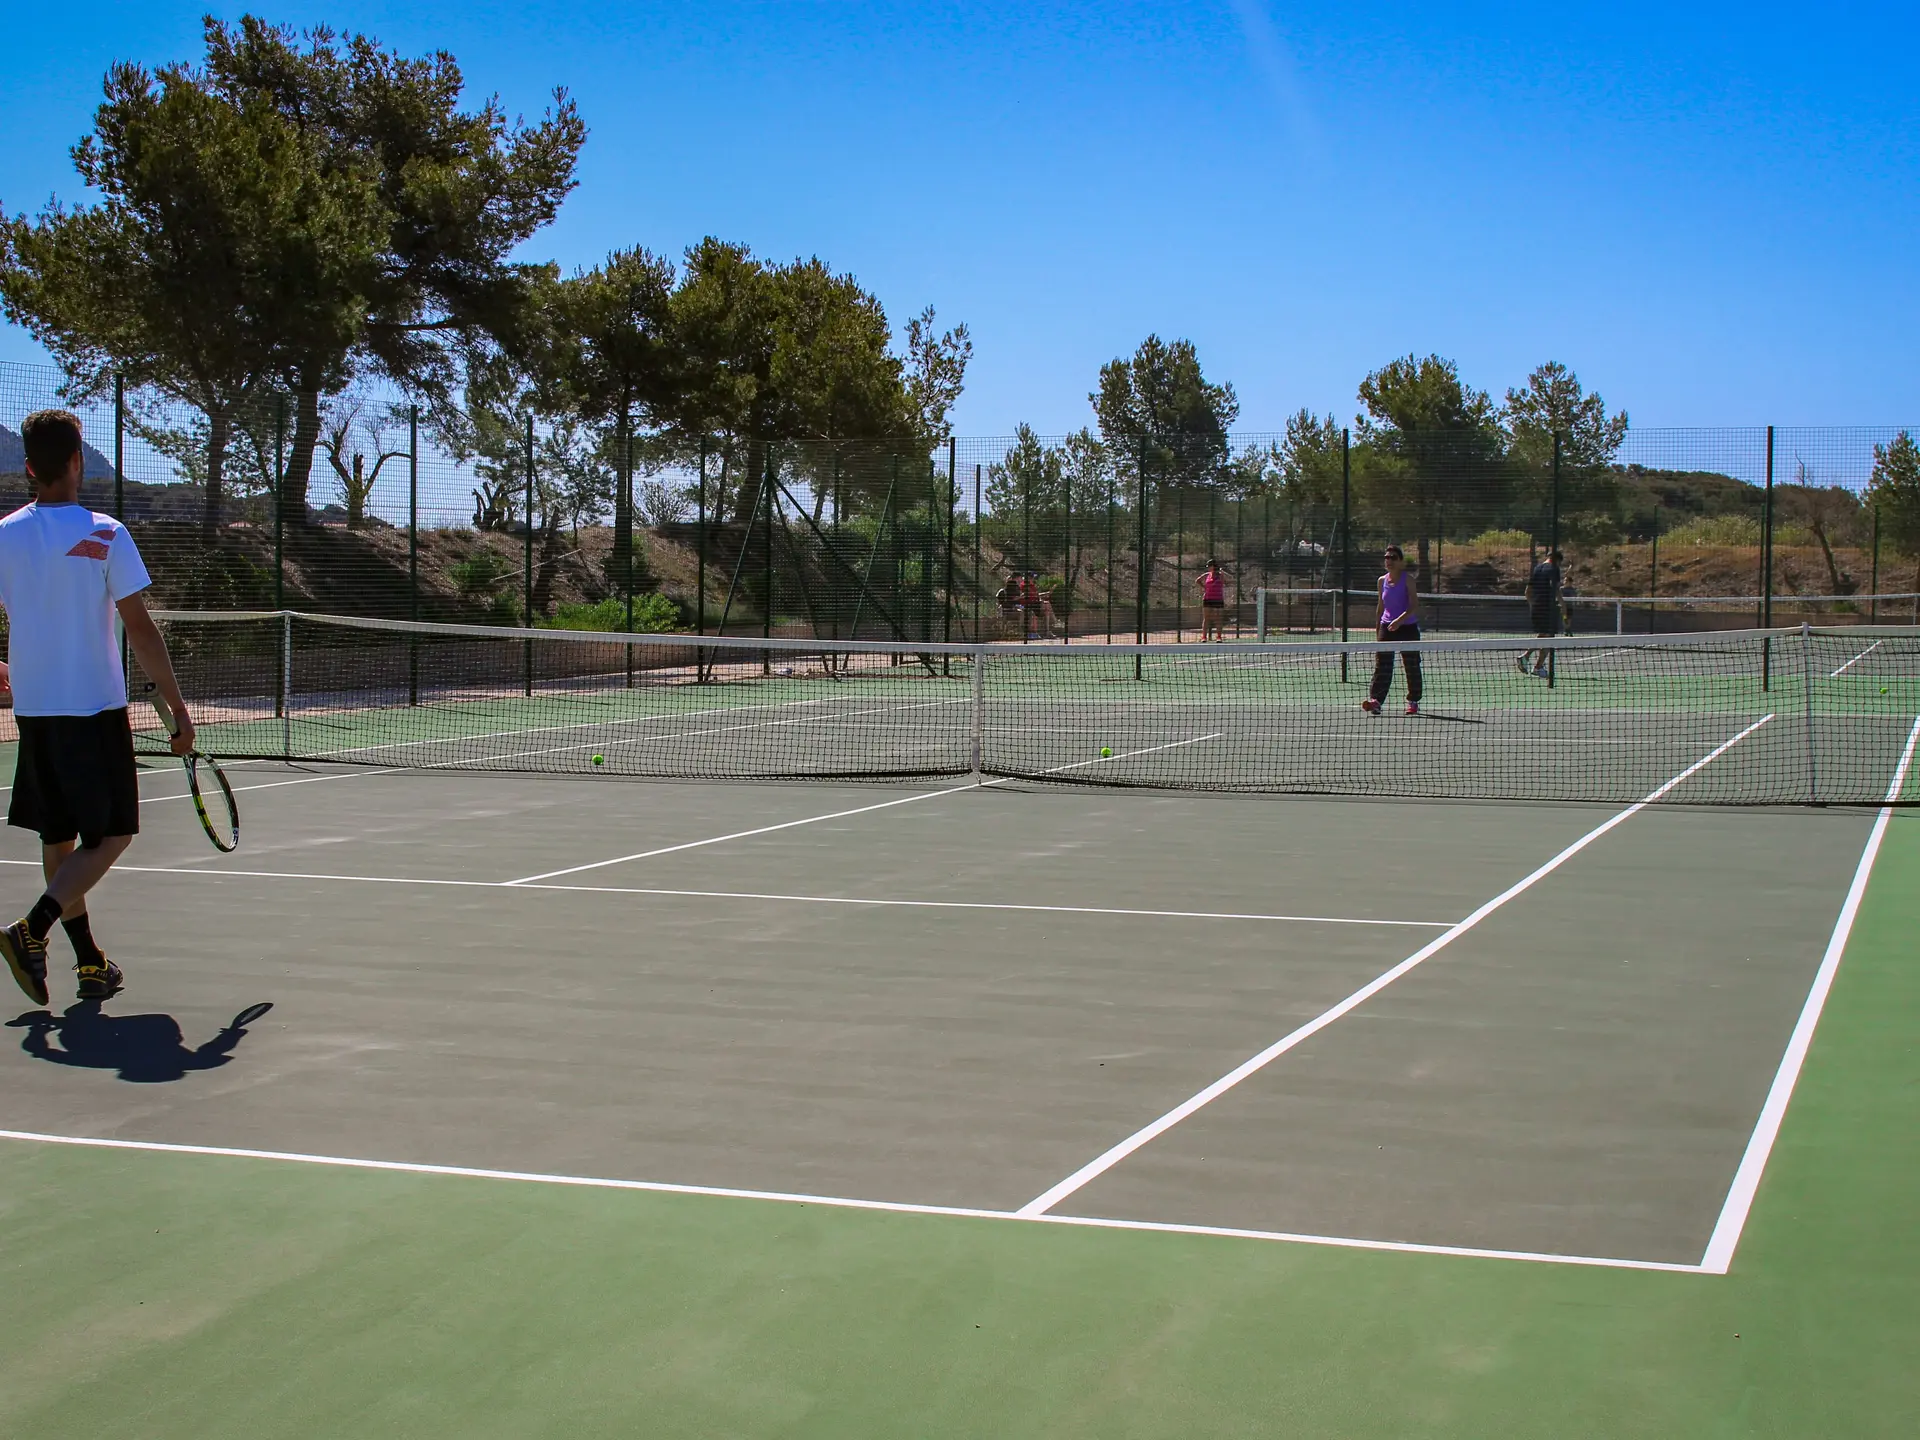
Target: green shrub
<point x="653" y="614"/>
<point x="1716" y="530"/>
<point x="1501" y="540"/>
<point x="478" y="573"/>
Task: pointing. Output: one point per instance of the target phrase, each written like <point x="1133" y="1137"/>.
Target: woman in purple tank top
<point x="1398" y="618"/>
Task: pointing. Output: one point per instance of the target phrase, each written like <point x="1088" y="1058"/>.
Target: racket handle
<point x="161" y="708"/>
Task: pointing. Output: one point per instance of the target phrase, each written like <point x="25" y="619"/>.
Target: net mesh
<point x="1804" y="715"/>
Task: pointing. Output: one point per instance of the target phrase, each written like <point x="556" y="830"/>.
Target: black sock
<point x="40" y="919"/>
<point x="85" y="951"/>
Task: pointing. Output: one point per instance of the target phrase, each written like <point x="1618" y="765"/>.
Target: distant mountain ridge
<point x="13" y="457"/>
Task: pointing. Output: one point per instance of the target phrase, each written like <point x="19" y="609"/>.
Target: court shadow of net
<point x="144" y="1049"/>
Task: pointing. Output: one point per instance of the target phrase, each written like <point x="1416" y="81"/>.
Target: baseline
<point x="897" y="1207"/>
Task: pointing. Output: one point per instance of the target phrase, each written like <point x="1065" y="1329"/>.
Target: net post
<point x="1806" y="706"/>
<point x="286" y="685"/>
<point x="1260" y="615"/>
<point x="977" y="712"/>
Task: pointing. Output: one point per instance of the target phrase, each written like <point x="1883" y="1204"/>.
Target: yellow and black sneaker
<point x="27" y="958"/>
<point x="101" y="981"/>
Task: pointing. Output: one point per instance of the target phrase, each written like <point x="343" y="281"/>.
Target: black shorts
<point x="1214" y="604"/>
<point x="1545" y="623"/>
<point x="75" y="778"/>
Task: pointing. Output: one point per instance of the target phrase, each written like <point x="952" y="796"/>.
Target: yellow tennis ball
<point x="1106" y="752"/>
<point x="599" y="759"/>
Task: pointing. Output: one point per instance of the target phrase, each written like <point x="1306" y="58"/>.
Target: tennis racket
<point x="196" y="763"/>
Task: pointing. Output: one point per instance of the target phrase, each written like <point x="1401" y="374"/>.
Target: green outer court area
<point x="155" y="1294"/>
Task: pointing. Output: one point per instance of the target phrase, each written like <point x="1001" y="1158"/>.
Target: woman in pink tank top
<point x="1213" y="602"/>
<point x="1398" y="618"/>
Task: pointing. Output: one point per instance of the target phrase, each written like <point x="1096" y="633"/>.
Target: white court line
<point x="833" y="718"/>
<point x="842" y="814"/>
<point x="1753" y="1164"/>
<point x="320" y="717"/>
<point x="276" y="784"/>
<point x="1836" y="674"/>
<point x="1098" y="1166"/>
<point x="145" y="771"/>
<point x="895" y="1207"/>
<point x="774" y="897"/>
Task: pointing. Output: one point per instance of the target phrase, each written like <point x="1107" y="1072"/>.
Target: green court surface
<point x="811" y="1110"/>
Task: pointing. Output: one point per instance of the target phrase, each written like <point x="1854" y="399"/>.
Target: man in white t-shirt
<point x="65" y="572"/>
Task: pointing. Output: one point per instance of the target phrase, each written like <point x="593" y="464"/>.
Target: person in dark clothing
<point x="1398" y="618"/>
<point x="1543" y="609"/>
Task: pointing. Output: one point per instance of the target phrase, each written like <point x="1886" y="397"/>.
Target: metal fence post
<point x="120" y="495"/>
<point x="526" y="576"/>
<point x="1553" y="534"/>
<point x="1346" y="539"/>
<point x="413" y="551"/>
<point x="283" y="699"/>
<point x="286" y="685"/>
<point x="1179" y="547"/>
<point x="700" y="547"/>
<point x="1806" y="685"/>
<point x="1653" y="573"/>
<point x="978" y="715"/>
<point x="119" y="448"/>
<point x="279" y="516"/>
<point x="1766" y="544"/>
<point x="1873" y="585"/>
<point x="1145" y="565"/>
<point x="979" y="524"/>
<point x="946" y="622"/>
<point x="1113" y="506"/>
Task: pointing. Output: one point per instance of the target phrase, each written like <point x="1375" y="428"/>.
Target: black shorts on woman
<point x="1383" y="664"/>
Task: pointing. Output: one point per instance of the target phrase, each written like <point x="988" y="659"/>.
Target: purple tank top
<point x="1395" y="596"/>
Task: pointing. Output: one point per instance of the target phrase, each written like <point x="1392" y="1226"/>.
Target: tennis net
<point x="1792" y="716"/>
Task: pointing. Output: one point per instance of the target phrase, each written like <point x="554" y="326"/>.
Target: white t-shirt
<point x="62" y="569"/>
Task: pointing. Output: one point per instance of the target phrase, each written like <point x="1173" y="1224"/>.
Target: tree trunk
<point x="1422" y="579"/>
<point x="306" y="438"/>
<point x="747" y="495"/>
<point x="357" y="494"/>
<point x="547" y="567"/>
<point x="1841" y="585"/>
<point x="219" y="428"/>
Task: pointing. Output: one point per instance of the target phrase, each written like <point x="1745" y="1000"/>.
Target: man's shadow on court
<point x="145" y="1049"/>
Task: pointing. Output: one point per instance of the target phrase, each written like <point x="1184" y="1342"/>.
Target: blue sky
<point x="1711" y="212"/>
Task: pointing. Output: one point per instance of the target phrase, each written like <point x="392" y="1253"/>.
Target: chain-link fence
<point x="375" y="507"/>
